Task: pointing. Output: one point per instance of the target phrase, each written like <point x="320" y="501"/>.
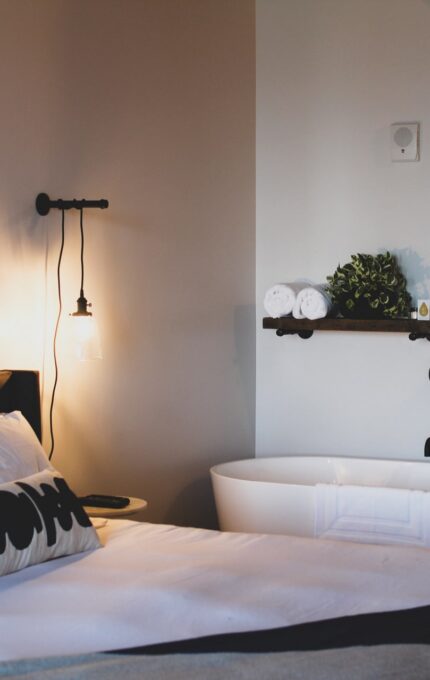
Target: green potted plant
<point x="370" y="287"/>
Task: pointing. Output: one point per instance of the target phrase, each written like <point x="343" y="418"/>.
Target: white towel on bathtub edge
<point x="372" y="514"/>
<point x="279" y="299"/>
<point x="312" y="302"/>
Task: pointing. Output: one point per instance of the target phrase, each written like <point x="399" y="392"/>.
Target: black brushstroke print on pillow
<point x="21" y="514"/>
<point x="41" y="518"/>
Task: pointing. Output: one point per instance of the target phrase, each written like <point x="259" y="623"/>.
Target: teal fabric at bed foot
<point x="385" y="662"/>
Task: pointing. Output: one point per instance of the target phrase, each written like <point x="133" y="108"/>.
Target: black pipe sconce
<point x="44" y="204"/>
<point x="85" y="328"/>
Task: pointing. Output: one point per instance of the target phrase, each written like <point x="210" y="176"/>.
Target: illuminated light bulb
<point x="87" y="338"/>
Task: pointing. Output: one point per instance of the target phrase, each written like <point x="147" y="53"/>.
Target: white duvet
<point x="154" y="583"/>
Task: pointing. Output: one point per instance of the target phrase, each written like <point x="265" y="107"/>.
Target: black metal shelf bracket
<point x="419" y="336"/>
<point x="302" y="334"/>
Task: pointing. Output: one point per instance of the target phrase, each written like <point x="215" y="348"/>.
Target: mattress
<point x="153" y="583"/>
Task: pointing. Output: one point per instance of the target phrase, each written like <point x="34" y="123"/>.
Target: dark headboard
<point x="19" y="391"/>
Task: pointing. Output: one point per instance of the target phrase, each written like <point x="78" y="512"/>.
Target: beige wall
<point x="332" y="76"/>
<point x="150" y="104"/>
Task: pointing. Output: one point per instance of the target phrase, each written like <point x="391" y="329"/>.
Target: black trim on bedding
<point x="408" y="626"/>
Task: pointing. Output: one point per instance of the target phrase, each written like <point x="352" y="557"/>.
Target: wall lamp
<point x="88" y="345"/>
<point x="87" y="338"/>
<point x="85" y="328"/>
<point x="86" y="332"/>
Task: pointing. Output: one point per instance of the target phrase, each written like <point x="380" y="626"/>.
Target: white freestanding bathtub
<point x="277" y="495"/>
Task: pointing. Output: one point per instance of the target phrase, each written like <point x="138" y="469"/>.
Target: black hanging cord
<point x="60" y="309"/>
<point x="82" y="250"/>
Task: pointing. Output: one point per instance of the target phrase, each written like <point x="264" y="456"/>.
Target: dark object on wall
<point x="44" y="204"/>
<point x="370" y="287"/>
<point x="427" y="448"/>
<point x="19" y="391"/>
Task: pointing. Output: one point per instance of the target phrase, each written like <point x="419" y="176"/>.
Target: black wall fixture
<point x="44" y="204"/>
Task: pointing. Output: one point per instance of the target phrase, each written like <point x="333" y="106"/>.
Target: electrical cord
<point x="82" y="249"/>
<point x="60" y="309"/>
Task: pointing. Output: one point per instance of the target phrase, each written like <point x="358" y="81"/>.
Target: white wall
<point x="150" y="104"/>
<point x="332" y="75"/>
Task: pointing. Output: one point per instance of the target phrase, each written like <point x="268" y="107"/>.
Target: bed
<point x="159" y="601"/>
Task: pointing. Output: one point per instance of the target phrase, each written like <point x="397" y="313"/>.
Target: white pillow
<point x="21" y="453"/>
<point x="41" y="518"/>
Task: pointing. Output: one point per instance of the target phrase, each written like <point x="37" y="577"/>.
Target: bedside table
<point x="135" y="505"/>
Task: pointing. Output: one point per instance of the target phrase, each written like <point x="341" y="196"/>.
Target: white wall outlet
<point x="405" y="142"/>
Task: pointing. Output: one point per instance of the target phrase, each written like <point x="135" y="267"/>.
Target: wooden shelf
<point x="287" y="325"/>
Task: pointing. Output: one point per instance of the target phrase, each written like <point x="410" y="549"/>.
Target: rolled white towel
<point x="279" y="300"/>
<point x="312" y="302"/>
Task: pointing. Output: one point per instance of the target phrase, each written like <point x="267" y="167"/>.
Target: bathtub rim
<point x="215" y="470"/>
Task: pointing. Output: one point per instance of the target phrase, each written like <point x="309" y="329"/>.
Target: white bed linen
<point x="154" y="583"/>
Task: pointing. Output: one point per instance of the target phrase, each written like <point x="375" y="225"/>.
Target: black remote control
<point x="103" y="501"/>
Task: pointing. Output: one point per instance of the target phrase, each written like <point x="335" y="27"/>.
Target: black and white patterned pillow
<point x="41" y="518"/>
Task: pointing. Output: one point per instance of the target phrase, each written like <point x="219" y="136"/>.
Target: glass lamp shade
<point x="87" y="338"/>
